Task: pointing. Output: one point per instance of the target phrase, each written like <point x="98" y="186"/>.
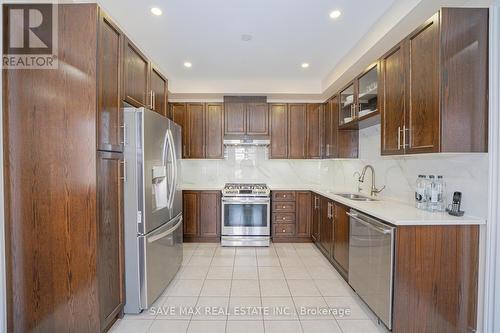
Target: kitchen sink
<point x="355" y="197"/>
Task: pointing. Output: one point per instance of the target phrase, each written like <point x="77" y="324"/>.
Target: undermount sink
<point x="355" y="197"/>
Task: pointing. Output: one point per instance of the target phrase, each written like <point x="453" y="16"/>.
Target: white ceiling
<point x="285" y="34"/>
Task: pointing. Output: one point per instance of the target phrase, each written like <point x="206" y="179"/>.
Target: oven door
<point x="245" y="216"/>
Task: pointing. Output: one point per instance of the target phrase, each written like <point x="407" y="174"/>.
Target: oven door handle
<point x="247" y="201"/>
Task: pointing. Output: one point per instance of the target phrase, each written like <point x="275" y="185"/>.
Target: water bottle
<point x="420" y="198"/>
<point x="432" y="194"/>
<point x="441" y="189"/>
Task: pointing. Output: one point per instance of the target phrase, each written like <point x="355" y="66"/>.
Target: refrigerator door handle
<point x="173" y="184"/>
<point x="165" y="233"/>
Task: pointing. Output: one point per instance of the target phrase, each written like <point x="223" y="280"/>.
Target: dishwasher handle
<point x="369" y="225"/>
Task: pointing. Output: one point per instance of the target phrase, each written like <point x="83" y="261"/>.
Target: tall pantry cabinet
<point x="64" y="174"/>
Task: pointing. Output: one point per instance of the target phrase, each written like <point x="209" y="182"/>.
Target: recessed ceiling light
<point x="188" y="64"/>
<point x="156" y="11"/>
<point x="305" y="65"/>
<point x="335" y="14"/>
<point x="246" y="37"/>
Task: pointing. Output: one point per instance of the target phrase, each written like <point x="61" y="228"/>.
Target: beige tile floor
<point x="284" y="288"/>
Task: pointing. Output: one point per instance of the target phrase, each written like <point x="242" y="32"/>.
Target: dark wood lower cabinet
<point x="435" y="278"/>
<point x="435" y="269"/>
<point x="291" y="216"/>
<point x="110" y="259"/>
<point x="341" y="237"/>
<point x="202" y="216"/>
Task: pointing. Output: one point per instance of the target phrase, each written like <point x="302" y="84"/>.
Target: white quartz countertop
<point x="391" y="211"/>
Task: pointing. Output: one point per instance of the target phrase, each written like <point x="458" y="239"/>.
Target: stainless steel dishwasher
<point x="371" y="261"/>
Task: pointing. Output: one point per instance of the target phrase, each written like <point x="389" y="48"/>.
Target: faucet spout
<point x="374" y="190"/>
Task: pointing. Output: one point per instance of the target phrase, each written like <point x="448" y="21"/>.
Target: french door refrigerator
<point x="153" y="206"/>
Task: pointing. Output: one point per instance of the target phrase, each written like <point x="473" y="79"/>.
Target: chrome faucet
<point x="374" y="191"/>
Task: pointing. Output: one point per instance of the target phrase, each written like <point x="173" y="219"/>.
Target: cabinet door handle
<point x="404" y="136"/>
<point x="124" y="171"/>
<point x="399" y="137"/>
<point x="124" y="133"/>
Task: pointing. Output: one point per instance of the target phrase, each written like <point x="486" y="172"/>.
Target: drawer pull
<point x="284" y="218"/>
<point x="284" y="207"/>
<point x="284" y="230"/>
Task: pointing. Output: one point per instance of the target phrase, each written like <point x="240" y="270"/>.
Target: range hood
<point x="247" y="142"/>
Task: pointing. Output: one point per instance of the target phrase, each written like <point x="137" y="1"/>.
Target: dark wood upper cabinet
<point x="278" y="114"/>
<point x="464" y="79"/>
<point x="297" y="128"/>
<point x="109" y="102"/>
<point x="136" y="76"/>
<point x="435" y="86"/>
<point x="303" y="214"/>
<point x="246" y="116"/>
<point x="195" y="128"/>
<point x="214" y="130"/>
<point x="341" y="237"/>
<point x="257" y="119"/>
<point x="393" y="100"/>
<point x="235" y="118"/>
<point x="422" y="100"/>
<point x="158" y="91"/>
<point x="330" y="127"/>
<point x="178" y="114"/>
<point x="110" y="262"/>
<point x="314" y="133"/>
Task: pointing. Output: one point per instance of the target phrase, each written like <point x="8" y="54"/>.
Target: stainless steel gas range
<point x="246" y="219"/>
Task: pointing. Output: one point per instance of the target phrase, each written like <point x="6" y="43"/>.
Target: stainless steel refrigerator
<point x="152" y="206"/>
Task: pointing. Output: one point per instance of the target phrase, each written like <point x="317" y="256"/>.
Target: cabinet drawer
<point x="284" y="206"/>
<point x="283" y="218"/>
<point x="283" y="229"/>
<point x="283" y="196"/>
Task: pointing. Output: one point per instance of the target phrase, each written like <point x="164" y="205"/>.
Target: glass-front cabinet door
<point x="347" y="105"/>
<point x="367" y="92"/>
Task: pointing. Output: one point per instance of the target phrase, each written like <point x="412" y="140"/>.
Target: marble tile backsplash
<point x="467" y="173"/>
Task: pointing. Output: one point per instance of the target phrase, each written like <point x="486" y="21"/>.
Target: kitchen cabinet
<point x="439" y="282"/>
<point x="64" y="182"/>
<point x="314" y="134"/>
<point x="297" y="143"/>
<point x="434" y="94"/>
<point x="330" y="128"/>
<point x="202" y="216"/>
<point x="110" y="262"/>
<point x="235" y="119"/>
<point x="291" y="216"/>
<point x="202" y="128"/>
<point x="190" y="213"/>
<point x="257" y="119"/>
<point x="315" y="217"/>
<point x="393" y="100"/>
<point x="347" y="111"/>
<point x="341" y="237"/>
<point x="109" y="99"/>
<point x="326" y="227"/>
<point x="337" y="143"/>
<point x="214" y="130"/>
<point x="303" y="214"/>
<point x="279" y="130"/>
<point x="135" y="76"/>
<point x="246" y="117"/>
<point x="195" y="127"/>
<point x="159" y="91"/>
